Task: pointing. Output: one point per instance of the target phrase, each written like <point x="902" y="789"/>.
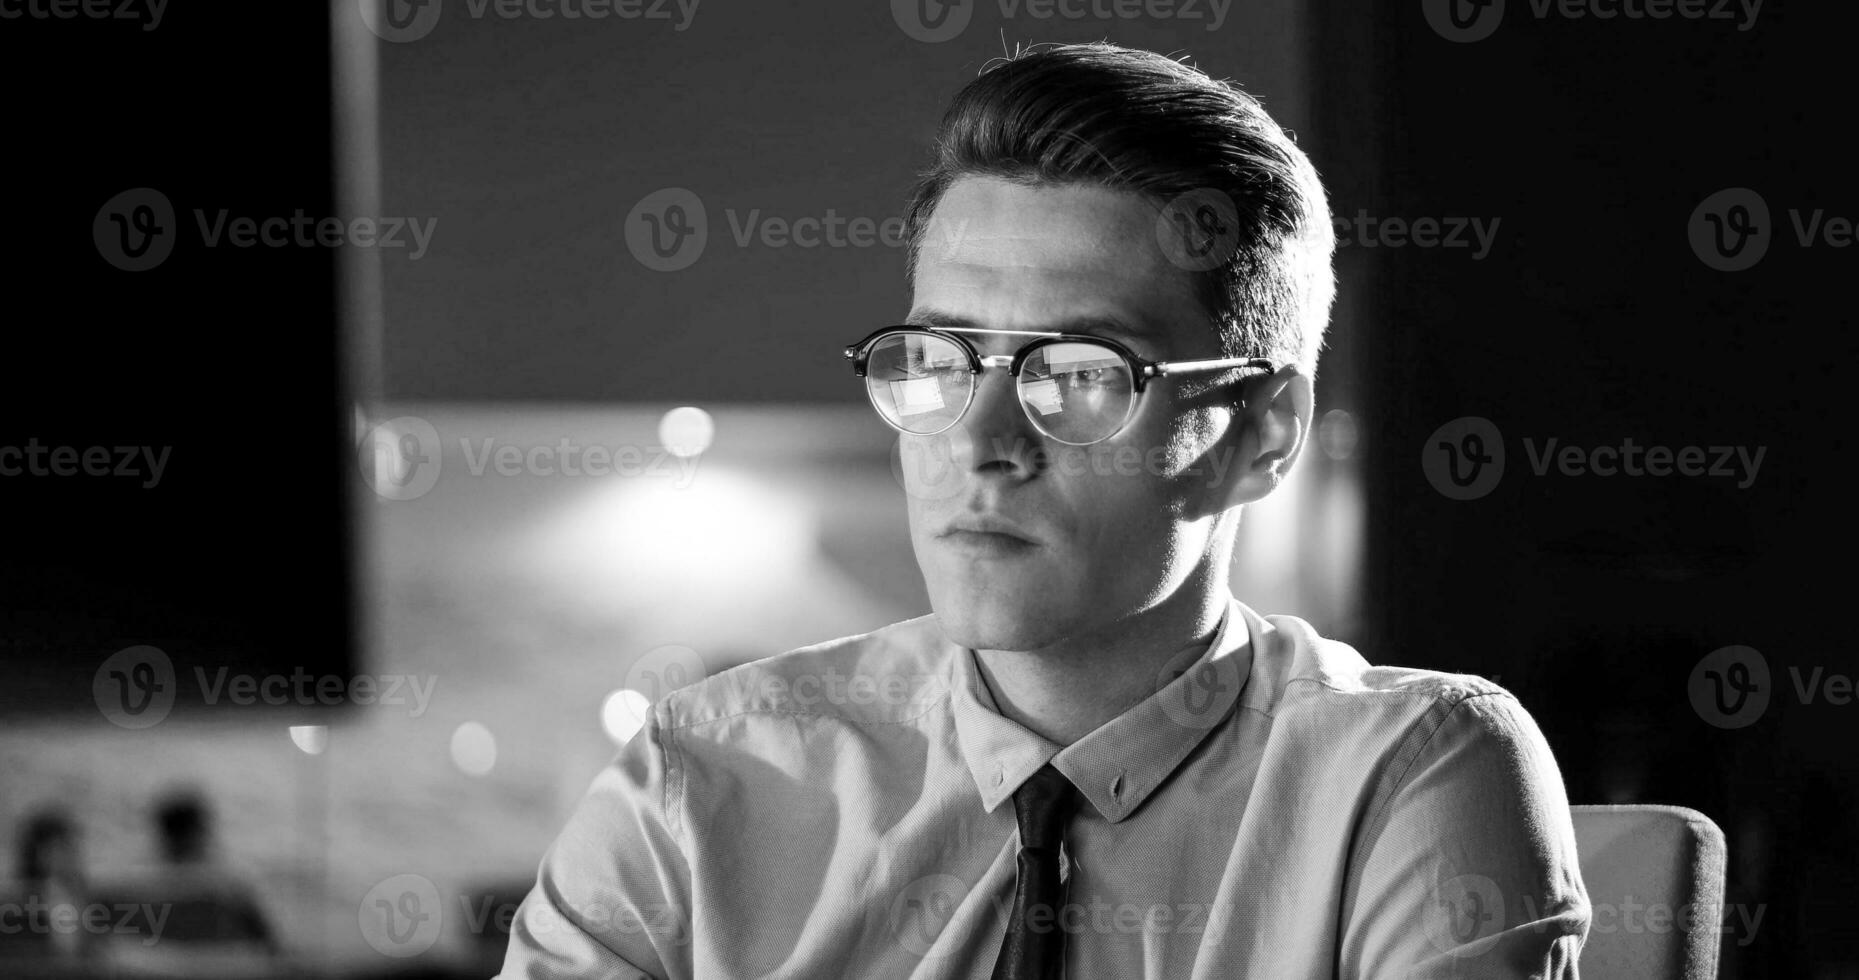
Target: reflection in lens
<point x="919" y="382"/>
<point x="1077" y="393"/>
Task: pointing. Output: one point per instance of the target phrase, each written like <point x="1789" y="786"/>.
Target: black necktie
<point x="1034" y="947"/>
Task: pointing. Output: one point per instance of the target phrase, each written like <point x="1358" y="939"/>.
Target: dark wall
<point x="210" y="519"/>
<point x="1595" y="319"/>
<point x="531" y="141"/>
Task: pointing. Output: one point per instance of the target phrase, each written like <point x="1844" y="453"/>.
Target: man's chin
<point x="994" y="622"/>
<point x="993" y="606"/>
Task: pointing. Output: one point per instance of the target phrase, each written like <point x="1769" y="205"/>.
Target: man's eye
<point x="916" y="364"/>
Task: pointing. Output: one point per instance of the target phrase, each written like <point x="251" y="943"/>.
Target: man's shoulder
<point x="1297" y="669"/>
<point x="890" y="675"/>
<point x="1335" y="707"/>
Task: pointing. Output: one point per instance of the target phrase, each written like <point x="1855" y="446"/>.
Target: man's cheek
<point x="924" y="466"/>
<point x="1109" y="522"/>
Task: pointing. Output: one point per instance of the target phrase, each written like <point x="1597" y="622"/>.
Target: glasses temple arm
<point x="1165" y="368"/>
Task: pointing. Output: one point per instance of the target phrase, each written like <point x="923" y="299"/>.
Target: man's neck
<point x="1065" y="691"/>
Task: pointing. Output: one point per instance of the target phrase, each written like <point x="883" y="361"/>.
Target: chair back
<point x="1655" y="883"/>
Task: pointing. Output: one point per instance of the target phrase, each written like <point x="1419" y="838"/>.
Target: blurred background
<point x="402" y="396"/>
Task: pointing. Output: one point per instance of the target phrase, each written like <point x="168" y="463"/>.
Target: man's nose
<point x="1000" y="437"/>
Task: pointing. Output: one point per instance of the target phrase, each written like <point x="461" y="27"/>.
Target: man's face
<point x="1104" y="531"/>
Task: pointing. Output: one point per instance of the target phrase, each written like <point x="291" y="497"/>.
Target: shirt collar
<point x="1117" y="766"/>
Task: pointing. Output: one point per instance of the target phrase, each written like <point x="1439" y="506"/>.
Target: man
<point x="1091" y="761"/>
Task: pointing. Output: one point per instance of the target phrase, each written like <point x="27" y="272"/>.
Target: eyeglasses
<point x="1076" y="389"/>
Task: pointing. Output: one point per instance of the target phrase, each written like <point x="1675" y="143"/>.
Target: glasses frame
<point x="1141" y="369"/>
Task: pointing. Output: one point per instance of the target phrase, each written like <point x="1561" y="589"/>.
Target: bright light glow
<point x="312" y="739"/>
<point x="686" y="431"/>
<point x="655" y="538"/>
<point x="474" y="749"/>
<point x="623" y="714"/>
<point x="1338" y="434"/>
<point x="1044" y="394"/>
<point x="914" y="396"/>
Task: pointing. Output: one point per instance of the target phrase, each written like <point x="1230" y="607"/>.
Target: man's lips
<point x="987" y="536"/>
<point x="987" y="544"/>
<point x="983" y="526"/>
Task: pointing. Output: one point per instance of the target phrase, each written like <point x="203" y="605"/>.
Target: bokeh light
<point x="1338" y="434"/>
<point x="656" y="541"/>
<point x="312" y="739"/>
<point x="686" y="431"/>
<point x="474" y="749"/>
<point x="623" y="714"/>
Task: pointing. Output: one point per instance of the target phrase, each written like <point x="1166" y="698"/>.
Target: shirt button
<point x="1000" y="775"/>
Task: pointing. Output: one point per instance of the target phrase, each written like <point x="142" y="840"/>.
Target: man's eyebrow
<point x="1115" y="327"/>
<point x="1088" y="325"/>
<point x="939" y="318"/>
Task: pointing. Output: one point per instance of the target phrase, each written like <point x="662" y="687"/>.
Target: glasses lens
<point x="919" y="382"/>
<point x="1077" y="393"/>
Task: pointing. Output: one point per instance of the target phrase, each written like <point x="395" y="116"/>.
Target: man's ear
<point x="1274" y="414"/>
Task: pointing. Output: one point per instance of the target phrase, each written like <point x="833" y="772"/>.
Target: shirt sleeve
<point x="612" y="897"/>
<point x="1467" y="867"/>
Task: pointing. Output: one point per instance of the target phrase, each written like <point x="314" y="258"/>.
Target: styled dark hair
<point x="1122" y="118"/>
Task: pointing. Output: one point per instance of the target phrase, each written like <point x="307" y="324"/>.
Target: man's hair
<point x="1135" y="120"/>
